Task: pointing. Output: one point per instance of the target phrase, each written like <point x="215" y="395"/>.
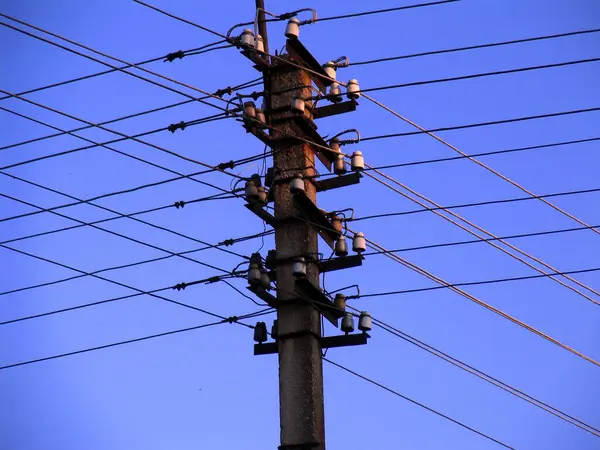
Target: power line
<point x="477" y="241"/>
<point x="380" y="11"/>
<point x="130" y="116"/>
<point x="475" y="47"/>
<point x="472" y="283"/>
<point x="470" y="205"/>
<point x="484" y="376"/>
<point x="227" y="242"/>
<point x="490" y="153"/>
<point x="481" y="75"/>
<point x="390" y="390"/>
<point x="482" y="124"/>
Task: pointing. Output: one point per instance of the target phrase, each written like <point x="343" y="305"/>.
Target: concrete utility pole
<point x="299" y="327"/>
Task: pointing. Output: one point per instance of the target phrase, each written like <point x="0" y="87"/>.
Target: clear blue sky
<point x="205" y="389"/>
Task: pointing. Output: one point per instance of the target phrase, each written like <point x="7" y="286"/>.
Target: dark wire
<point x="475" y="47"/>
<point x="243" y="294"/>
<point x="390" y="390"/>
<point x="387" y="10"/>
<point x="469" y="205"/>
<point x="474" y="155"/>
<point x="482" y="124"/>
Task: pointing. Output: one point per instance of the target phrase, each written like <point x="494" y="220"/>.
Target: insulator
<point x="365" y="322"/>
<point x="297" y="184"/>
<point x="254" y="274"/>
<point x="259" y="44"/>
<point x="359" y="243"/>
<point x="255" y="258"/>
<point x="336" y="223"/>
<point x="339" y="302"/>
<point x="298" y="105"/>
<point x="250" y="110"/>
<point x="260" y="116"/>
<point x="255" y="177"/>
<point x="335" y="93"/>
<point x="274" y="330"/>
<point x="270" y="177"/>
<point x="339" y="165"/>
<point x="334" y="145"/>
<point x="292" y="30"/>
<point x="329" y="68"/>
<point x="352" y="89"/>
<point x="251" y="191"/>
<point x="271" y="259"/>
<point x="341" y="246"/>
<point x="265" y="281"/>
<point x="260" y="332"/>
<point x="358" y="161"/>
<point x="262" y="195"/>
<point x="247" y="37"/>
<point x="299" y="267"/>
<point x="348" y="323"/>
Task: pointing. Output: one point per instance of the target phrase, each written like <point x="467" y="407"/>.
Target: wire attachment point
<point x="177" y="126"/>
<point x="173" y="56"/>
<point x="179" y="204"/>
<point x="180" y="286"/>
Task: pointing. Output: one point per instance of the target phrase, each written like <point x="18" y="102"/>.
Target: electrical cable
<point x="476" y="300"/>
<point x="481" y="75"/>
<point x="93" y="75"/>
<point x="470" y="205"/>
<point x="475" y="47"/>
<point x="119" y="119"/>
<point x="481" y="124"/>
<point x="490" y="153"/>
<point x="387" y="10"/>
<point x="390" y="390"/>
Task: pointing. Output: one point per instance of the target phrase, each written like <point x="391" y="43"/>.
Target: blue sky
<point x="205" y="389"/>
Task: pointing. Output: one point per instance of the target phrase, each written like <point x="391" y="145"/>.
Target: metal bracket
<point x="265" y="296"/>
<point x="344" y="262"/>
<point x="334" y="109"/>
<point x="338" y="182"/>
<point x="323" y="303"/>
<point x="261" y="212"/>
<point x="311" y="212"/>
<point x="344" y="340"/>
<point x="301" y="55"/>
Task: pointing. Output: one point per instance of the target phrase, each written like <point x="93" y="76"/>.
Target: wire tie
<point x="214" y="279"/>
<point x="176" y="126"/>
<point x="226" y="165"/>
<point x="180" y="286"/>
<point x="175" y="55"/>
<point x="232" y="319"/>
<point x="220" y="92"/>
<point x="227" y="242"/>
<point x="179" y="204"/>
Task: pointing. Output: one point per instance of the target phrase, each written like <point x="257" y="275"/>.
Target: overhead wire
<point x="392" y="391"/>
<point x="382" y="11"/>
<point x="476" y="47"/>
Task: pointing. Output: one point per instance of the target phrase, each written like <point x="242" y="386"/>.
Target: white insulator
<point x="358" y="161"/>
<point x="339" y="165"/>
<point x="341" y="246"/>
<point x="292" y="30"/>
<point x="247" y="37"/>
<point x="329" y="68"/>
<point x="352" y="89"/>
<point x="335" y="93"/>
<point x="297" y="184"/>
<point x="299" y="267"/>
<point x="365" y="322"/>
<point x="359" y="243"/>
<point x="251" y="191"/>
<point x="259" y="44"/>
<point x="298" y="105"/>
<point x="260" y="116"/>
<point x="250" y="110"/>
<point x="262" y="195"/>
<point x="340" y="302"/>
<point x="254" y="274"/>
<point x="348" y="323"/>
<point x="265" y="281"/>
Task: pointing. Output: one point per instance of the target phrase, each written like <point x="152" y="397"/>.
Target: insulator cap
<point x="292" y="30"/>
<point x="271" y="259"/>
<point x="365" y="322"/>
<point x="339" y="165"/>
<point x="260" y="332"/>
<point x="270" y="176"/>
<point x="352" y="89"/>
<point x="334" y="145"/>
<point x="340" y="302"/>
<point x="297" y="184"/>
<point x="330" y="69"/>
<point x="274" y="330"/>
<point x="347" y="323"/>
<point x="341" y="246"/>
<point x="359" y="243"/>
<point x="254" y="274"/>
<point x="250" y="110"/>
<point x="262" y="195"/>
<point x="298" y="105"/>
<point x="259" y="44"/>
<point x="358" y="161"/>
<point x="265" y="281"/>
<point x="251" y="191"/>
<point x="260" y="116"/>
<point x="299" y="267"/>
<point x="247" y="37"/>
<point x="335" y="93"/>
